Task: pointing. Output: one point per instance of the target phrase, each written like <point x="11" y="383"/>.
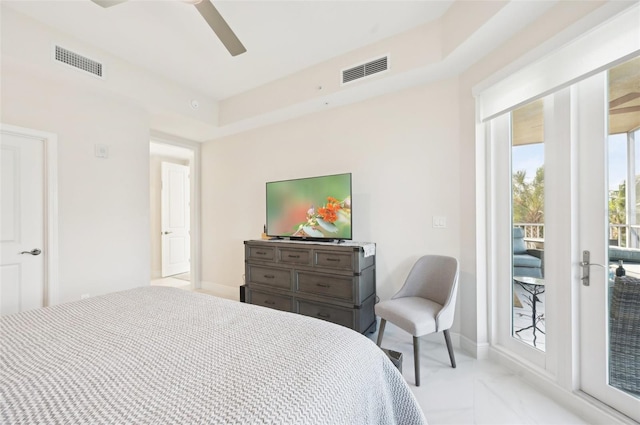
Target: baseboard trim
<point x="477" y="351"/>
<point x="459" y="342"/>
<point x="583" y="405"/>
<point x="207" y="285"/>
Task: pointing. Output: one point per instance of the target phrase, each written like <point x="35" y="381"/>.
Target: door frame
<point x="50" y="142"/>
<point x="613" y="42"/>
<point x="195" y="183"/>
<point x="166" y="202"/>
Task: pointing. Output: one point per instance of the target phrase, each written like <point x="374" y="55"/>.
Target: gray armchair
<point x="526" y="262"/>
<point x="425" y="304"/>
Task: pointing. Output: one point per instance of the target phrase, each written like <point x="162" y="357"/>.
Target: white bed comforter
<point x="162" y="355"/>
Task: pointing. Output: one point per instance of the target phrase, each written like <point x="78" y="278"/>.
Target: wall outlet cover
<point x="102" y="151"/>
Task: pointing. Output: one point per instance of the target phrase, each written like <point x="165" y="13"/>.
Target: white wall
<point x="103" y="203"/>
<point x="413" y="155"/>
<point x="562" y="22"/>
<point x="28" y="43"/>
<point x="402" y="151"/>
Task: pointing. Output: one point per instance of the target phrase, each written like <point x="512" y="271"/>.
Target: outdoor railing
<point x="532" y="230"/>
<point x="625" y="235"/>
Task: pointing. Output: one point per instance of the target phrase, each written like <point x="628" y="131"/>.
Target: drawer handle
<point x="261" y="253"/>
<point x="323" y="285"/>
<point x="269" y="302"/>
<point x="333" y="259"/>
<point x="293" y="256"/>
<point x="269" y="276"/>
<point x="324" y="315"/>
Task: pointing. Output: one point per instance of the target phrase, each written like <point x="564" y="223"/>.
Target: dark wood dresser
<point x="330" y="281"/>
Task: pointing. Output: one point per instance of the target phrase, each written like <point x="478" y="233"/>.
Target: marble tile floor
<point x="172" y="282"/>
<point x="475" y="392"/>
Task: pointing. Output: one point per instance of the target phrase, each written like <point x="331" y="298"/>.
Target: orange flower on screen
<point x="333" y="205"/>
<point x="328" y="214"/>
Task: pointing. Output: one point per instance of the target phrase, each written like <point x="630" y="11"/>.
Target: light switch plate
<point x="439" y="222"/>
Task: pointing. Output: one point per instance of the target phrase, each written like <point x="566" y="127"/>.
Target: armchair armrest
<point x="538" y="253"/>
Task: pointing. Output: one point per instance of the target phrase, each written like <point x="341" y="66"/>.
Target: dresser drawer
<point x="278" y="278"/>
<point x="278" y="302"/>
<point x="265" y="253"/>
<point x="295" y="256"/>
<point x="333" y="282"/>
<point x="334" y="260"/>
<point x="325" y="285"/>
<point x="340" y="316"/>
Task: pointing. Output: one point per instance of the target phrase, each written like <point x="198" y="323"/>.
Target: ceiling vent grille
<point x="78" y="61"/>
<point x="373" y="67"/>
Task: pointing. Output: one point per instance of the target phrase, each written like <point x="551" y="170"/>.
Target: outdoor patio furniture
<point x="624" y="322"/>
<point x="526" y="262"/>
<point x="533" y="286"/>
<point x="627" y="255"/>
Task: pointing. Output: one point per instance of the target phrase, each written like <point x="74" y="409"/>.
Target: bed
<point x="159" y="355"/>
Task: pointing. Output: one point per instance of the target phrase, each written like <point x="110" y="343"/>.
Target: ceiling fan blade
<point x="108" y="3"/>
<point x="220" y="27"/>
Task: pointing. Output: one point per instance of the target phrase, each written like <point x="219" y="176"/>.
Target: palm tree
<point x="618" y="204"/>
<point x="528" y="197"/>
<point x="528" y="200"/>
<point x="617" y="211"/>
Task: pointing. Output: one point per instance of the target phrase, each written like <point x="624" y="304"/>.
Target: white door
<point x="176" y="240"/>
<point x="22" y="223"/>
<point x="598" y="342"/>
<point x="577" y="144"/>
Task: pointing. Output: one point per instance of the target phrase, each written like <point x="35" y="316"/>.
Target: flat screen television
<point x="313" y="208"/>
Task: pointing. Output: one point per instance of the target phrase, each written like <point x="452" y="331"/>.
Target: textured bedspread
<point x="162" y="355"/>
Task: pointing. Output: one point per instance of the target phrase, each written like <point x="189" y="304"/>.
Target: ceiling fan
<point x="213" y="18"/>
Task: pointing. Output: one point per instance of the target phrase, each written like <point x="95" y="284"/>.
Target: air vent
<point x="366" y="69"/>
<point x="77" y="61"/>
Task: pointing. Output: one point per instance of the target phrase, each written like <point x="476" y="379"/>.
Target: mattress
<point x="158" y="355"/>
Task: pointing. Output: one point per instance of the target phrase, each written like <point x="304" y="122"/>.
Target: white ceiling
<point x="171" y="38"/>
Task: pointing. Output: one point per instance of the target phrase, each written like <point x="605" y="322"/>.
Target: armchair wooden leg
<point x="381" y="331"/>
<point x="447" y="338"/>
<point x="416" y="359"/>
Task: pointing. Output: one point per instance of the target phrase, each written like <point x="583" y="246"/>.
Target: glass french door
<point x="527" y="220"/>
<point x="587" y="331"/>
<point x="609" y="304"/>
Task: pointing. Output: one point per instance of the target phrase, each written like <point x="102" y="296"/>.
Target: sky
<point x="618" y="159"/>
<point x="530" y="157"/>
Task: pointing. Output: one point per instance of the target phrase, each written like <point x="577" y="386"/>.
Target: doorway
<point x="28" y="230"/>
<point x="580" y="109"/>
<point x="581" y="323"/>
<point x="172" y="196"/>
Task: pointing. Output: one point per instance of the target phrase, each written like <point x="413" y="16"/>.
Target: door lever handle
<point x="166" y="233"/>
<point x="34" y="251"/>
<point x="585" y="263"/>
